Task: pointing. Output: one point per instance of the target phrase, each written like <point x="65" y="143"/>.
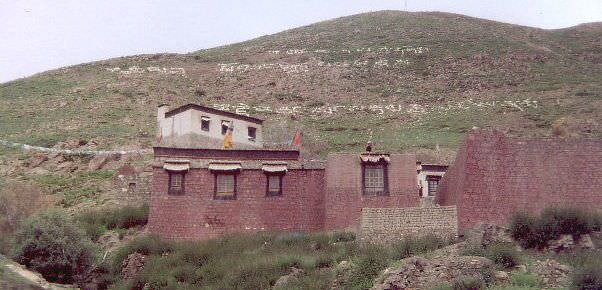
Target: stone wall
<point x="344" y="199"/>
<point x="382" y="225"/>
<point x="133" y="185"/>
<point x="494" y="176"/>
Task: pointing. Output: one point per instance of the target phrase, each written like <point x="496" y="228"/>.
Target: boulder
<point x="98" y="162"/>
<point x="552" y="274"/>
<point x="501" y="276"/>
<point x="292" y="276"/>
<point x="420" y="273"/>
<point x="567" y="243"/>
<point x="36" y="160"/>
<point x="487" y="234"/>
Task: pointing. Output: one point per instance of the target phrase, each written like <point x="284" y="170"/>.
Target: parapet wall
<point x="383" y="225"/>
<point x="494" y="176"/>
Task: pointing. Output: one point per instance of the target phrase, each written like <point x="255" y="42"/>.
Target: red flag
<point x="297" y="139"/>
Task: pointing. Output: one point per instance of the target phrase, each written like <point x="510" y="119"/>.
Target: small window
<point x="225" y="186"/>
<point x="225" y="126"/>
<point x="375" y="179"/>
<point x="433" y="184"/>
<point x="205" y="122"/>
<point x="274" y="186"/>
<point x="131" y="187"/>
<point x="176" y="183"/>
<point x="252" y="132"/>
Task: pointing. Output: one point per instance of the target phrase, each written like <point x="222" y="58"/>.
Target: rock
<point x="39" y="171"/>
<point x="521" y="268"/>
<point x="585" y="242"/>
<point x="98" y="162"/>
<point x="552" y="274"/>
<point x="344" y="265"/>
<point x="420" y="273"/>
<point x="132" y="265"/>
<point x="501" y="276"/>
<point x="293" y="276"/>
<point x="37" y="159"/>
<point x="568" y="243"/>
<point x="487" y="234"/>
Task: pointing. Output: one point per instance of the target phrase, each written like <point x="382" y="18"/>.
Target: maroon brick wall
<point x="196" y="215"/>
<point x="495" y="175"/>
<point x="344" y="199"/>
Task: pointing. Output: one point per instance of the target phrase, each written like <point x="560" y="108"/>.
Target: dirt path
<point x="35" y="280"/>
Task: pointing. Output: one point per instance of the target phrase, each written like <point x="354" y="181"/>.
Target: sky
<point x="36" y="36"/>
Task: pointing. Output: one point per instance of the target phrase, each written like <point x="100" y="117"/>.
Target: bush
<point x="370" y="262"/>
<point x="588" y="275"/>
<point x="536" y="232"/>
<point x="51" y="244"/>
<point x="468" y="283"/>
<point x="96" y="222"/>
<point x="503" y="254"/>
<point x="17" y="202"/>
<point x="412" y="246"/>
<point x="520" y="279"/>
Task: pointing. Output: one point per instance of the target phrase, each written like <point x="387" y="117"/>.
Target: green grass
<point x="96" y="222"/>
<point x="47" y="108"/>
<point x="74" y="188"/>
<point x="256" y="261"/>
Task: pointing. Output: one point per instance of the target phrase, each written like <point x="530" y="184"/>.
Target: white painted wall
<point x="422" y="175"/>
<point x="189" y="122"/>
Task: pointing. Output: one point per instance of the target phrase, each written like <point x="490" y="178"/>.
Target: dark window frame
<point x="170" y="189"/>
<point x="385" y="166"/>
<point x="435" y="178"/>
<point x="269" y="193"/>
<point x="205" y="120"/>
<point x="235" y="191"/>
<point x="254" y="130"/>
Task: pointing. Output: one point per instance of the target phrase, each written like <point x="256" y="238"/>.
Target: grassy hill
<point x="407" y="80"/>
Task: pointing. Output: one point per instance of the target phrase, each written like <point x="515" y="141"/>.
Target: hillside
<point x="409" y="80"/>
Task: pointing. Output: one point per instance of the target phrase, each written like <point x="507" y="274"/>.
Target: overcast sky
<point x="36" y="36"/>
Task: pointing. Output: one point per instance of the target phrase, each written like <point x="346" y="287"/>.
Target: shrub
<point x="522" y="229"/>
<point x="411" y="246"/>
<point x="536" y="232"/>
<point x="51" y="244"/>
<point x="98" y="221"/>
<point x="503" y="254"/>
<point x="338" y="237"/>
<point x="442" y="286"/>
<point x="146" y="245"/>
<point x="468" y="283"/>
<point x="366" y="267"/>
<point x="520" y="279"/>
<point x="589" y="274"/>
<point x="17" y="202"/>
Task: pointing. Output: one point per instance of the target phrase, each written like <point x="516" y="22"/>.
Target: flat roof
<point x="211" y="111"/>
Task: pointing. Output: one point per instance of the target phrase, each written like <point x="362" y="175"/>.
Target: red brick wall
<point x="344" y="200"/>
<point x="494" y="175"/>
<point x="196" y="215"/>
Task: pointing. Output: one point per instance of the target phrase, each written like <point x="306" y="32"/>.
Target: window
<point x="433" y="184"/>
<point x="274" y="186"/>
<point x="225" y="186"/>
<point x="252" y="132"/>
<point x="176" y="183"/>
<point x="225" y="126"/>
<point x="205" y="122"/>
<point x="131" y="187"/>
<point x="375" y="179"/>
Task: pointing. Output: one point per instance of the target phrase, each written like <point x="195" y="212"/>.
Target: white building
<point x="197" y="126"/>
